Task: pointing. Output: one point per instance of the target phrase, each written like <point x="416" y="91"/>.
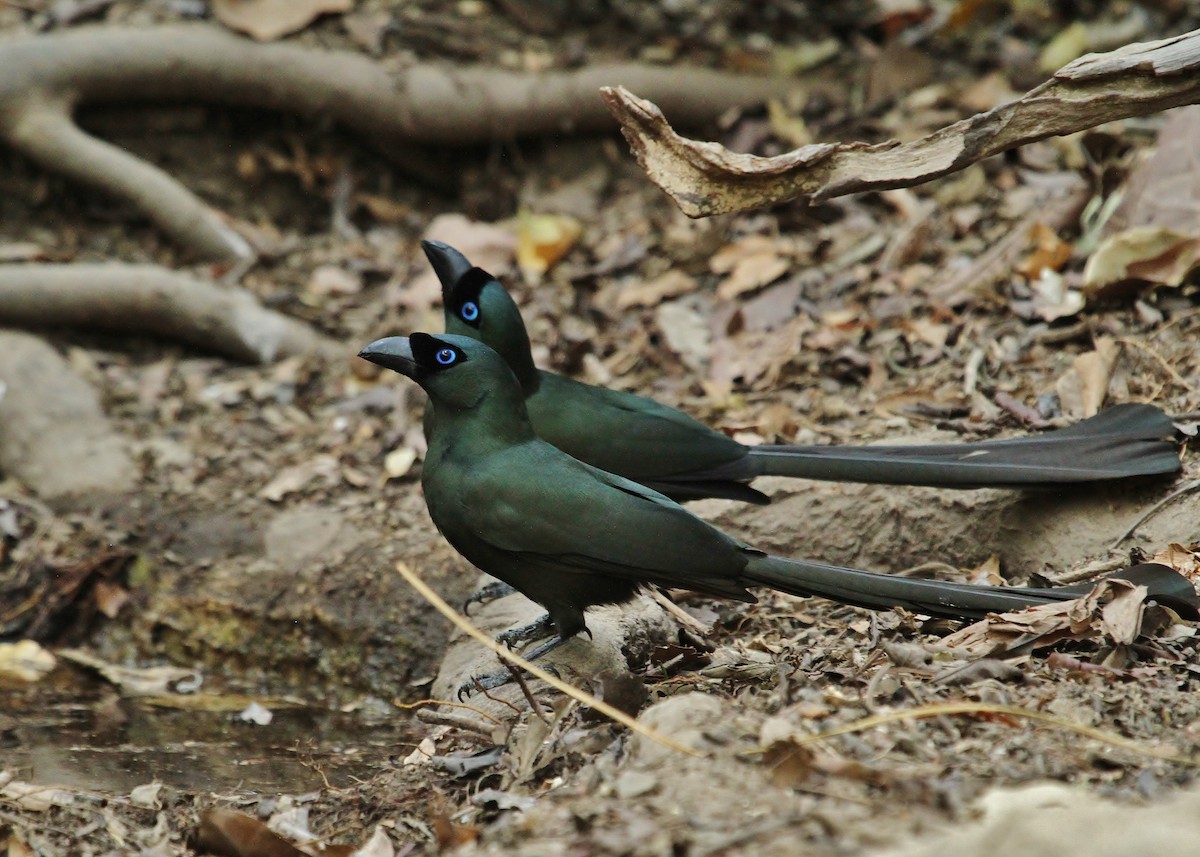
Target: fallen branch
<point x="146" y="299"/>
<point x="706" y="178"/>
<point x="43" y="79"/>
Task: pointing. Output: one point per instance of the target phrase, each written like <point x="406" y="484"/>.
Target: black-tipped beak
<point x="448" y="263"/>
<point x="391" y="352"/>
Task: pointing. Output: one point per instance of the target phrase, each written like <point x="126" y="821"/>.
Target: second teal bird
<point x="667" y="450"/>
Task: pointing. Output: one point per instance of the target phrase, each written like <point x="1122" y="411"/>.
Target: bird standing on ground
<point x="667" y="450"/>
<point x="569" y="536"/>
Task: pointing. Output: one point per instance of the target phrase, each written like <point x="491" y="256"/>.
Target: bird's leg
<point x="538" y="629"/>
<point x="532" y="631"/>
<point x="489" y="592"/>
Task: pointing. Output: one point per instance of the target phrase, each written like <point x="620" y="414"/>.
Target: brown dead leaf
<point x="686" y="332"/>
<point x="1162" y="190"/>
<point x="542" y="240"/>
<point x="790" y="765"/>
<point x="267" y="20"/>
<point x="1113" y="611"/>
<point x="672" y="284"/>
<point x="1153" y="255"/>
<point x="933" y="333"/>
<point x="751" y="273"/>
<point x="230" y="833"/>
<point x="1049" y="252"/>
<point x="1185" y="560"/>
<point x="727" y="258"/>
<point x="293" y="479"/>
<point x="1082" y="388"/>
<point x="450" y="835"/>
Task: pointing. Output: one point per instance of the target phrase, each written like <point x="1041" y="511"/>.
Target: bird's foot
<point x="539" y="629"/>
<point x="490" y="681"/>
<point x="488" y="592"/>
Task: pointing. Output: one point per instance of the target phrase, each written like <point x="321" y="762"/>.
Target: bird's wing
<point x="583" y="519"/>
<point x="632" y="435"/>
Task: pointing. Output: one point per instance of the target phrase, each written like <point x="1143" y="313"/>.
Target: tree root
<point x="43" y="79"/>
<point x="152" y="300"/>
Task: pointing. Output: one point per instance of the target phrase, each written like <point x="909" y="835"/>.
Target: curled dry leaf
<point x="1113" y="611"/>
<point x="1153" y="255"/>
<point x="267" y="20"/>
<point x="234" y="834"/>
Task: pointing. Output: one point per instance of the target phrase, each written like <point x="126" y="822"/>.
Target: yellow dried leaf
<point x="543" y="239"/>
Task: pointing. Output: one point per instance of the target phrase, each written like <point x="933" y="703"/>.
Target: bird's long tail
<point x="1121" y="442"/>
<point x="949" y="600"/>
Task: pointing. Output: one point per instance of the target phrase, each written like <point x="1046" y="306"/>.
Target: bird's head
<point x="457" y="372"/>
<point x="477" y="305"/>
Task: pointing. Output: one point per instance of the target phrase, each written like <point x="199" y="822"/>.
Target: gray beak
<point x="448" y="263"/>
<point x="391" y="352"/>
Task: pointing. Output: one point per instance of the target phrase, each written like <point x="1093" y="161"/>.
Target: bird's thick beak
<point x="391" y="352"/>
<point x="448" y="263"/>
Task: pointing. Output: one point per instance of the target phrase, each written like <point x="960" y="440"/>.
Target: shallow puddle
<point x="90" y="739"/>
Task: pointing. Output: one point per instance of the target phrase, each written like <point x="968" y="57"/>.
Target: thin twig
<point x="940" y="709"/>
<point x="575" y="693"/>
<point x="1174" y="495"/>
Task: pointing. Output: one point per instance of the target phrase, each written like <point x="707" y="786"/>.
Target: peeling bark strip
<point x="706" y="178"/>
<point x="151" y="300"/>
<point x="43" y="79"/>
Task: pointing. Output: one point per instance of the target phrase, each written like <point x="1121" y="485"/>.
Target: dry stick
<point x="939" y="709"/>
<point x="705" y="178"/>
<point x="152" y="300"/>
<point x="44" y="78"/>
<point x="1186" y="488"/>
<point x="512" y="657"/>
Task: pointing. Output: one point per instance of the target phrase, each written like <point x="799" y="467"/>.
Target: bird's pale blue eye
<point x="446" y="356"/>
<point x="470" y="311"/>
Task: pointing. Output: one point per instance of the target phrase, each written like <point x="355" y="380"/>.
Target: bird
<point x="665" y="449"/>
<point x="570" y="536"/>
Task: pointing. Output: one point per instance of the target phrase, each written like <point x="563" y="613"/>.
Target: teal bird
<point x="667" y="450"/>
<point x="569" y="535"/>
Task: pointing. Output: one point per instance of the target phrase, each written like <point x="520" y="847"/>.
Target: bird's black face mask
<point x="465" y="302"/>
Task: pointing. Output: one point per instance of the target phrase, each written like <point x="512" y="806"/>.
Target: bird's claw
<point x="484" y="594"/>
<point x="485" y="682"/>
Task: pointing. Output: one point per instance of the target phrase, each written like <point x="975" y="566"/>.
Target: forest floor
<point x="254" y="561"/>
